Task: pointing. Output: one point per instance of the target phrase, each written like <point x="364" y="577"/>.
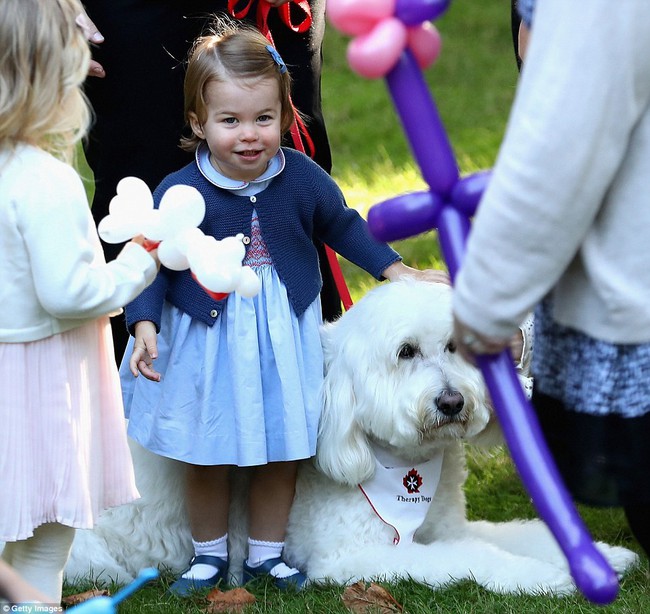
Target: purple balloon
<point x="422" y="125"/>
<point x="405" y="216"/>
<point x="591" y="572"/>
<point x="453" y="228"/>
<point x="412" y="12"/>
<point x="467" y="193"/>
<point x="589" y="568"/>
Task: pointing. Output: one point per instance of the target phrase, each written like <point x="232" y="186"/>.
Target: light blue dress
<point x="243" y="392"/>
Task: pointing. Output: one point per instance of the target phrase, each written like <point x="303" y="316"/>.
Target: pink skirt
<point x="63" y="450"/>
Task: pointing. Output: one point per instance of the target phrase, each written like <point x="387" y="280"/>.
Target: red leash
<point x="299" y="134"/>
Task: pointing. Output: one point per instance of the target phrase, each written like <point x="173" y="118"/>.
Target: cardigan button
<point x="214" y="313"/>
<point x="253" y="199"/>
<point x="246" y="240"/>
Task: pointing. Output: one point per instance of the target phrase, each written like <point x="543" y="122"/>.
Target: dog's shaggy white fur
<point x="393" y="381"/>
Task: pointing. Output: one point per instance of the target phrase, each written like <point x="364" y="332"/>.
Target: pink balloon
<point x="425" y="43"/>
<point x="373" y="55"/>
<point x="353" y="17"/>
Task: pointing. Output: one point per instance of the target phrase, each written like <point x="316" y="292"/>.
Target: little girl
<point x="63" y="450"/>
<point x="242" y="376"/>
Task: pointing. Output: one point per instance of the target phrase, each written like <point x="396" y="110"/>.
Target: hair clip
<point x="277" y="59"/>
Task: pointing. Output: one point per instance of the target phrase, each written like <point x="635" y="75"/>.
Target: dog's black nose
<point x="450" y="402"/>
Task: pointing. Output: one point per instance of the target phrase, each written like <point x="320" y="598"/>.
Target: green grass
<point x="495" y="493"/>
<point x="473" y="83"/>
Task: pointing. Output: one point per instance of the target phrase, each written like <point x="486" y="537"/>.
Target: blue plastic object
<point x="108" y="605"/>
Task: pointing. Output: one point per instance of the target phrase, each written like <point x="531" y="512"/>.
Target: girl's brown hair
<point x="231" y="51"/>
<point x="44" y="60"/>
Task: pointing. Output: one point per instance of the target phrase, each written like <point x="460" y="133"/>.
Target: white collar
<point x="202" y="156"/>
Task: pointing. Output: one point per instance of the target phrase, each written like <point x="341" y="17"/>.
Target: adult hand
<point x="469" y="342"/>
<point x="92" y="34"/>
<point x="517" y="346"/>
<point x="145" y="351"/>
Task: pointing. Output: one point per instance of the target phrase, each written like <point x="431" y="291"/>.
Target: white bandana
<point x="401" y="494"/>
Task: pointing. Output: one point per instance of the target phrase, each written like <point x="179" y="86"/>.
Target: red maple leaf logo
<point x="412" y="481"/>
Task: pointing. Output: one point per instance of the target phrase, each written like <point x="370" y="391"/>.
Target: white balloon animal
<point x="173" y="228"/>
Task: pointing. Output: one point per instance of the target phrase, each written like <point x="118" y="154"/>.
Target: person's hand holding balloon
<point x="173" y="230"/>
<point x="469" y="342"/>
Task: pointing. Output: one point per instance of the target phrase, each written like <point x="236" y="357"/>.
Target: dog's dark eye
<point x="408" y="351"/>
<point x="450" y="347"/>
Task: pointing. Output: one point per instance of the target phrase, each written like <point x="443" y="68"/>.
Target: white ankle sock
<point x="216" y="547"/>
<point x="260" y="551"/>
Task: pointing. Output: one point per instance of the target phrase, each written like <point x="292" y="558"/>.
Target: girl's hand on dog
<point x="398" y="270"/>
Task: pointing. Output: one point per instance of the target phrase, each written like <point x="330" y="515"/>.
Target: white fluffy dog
<point x="384" y="498"/>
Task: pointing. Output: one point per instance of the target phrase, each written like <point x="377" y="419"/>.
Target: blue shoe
<point x="183" y="587"/>
<point x="295" y="581"/>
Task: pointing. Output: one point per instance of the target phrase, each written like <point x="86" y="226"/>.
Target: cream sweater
<point x="53" y="276"/>
<point x="568" y="208"/>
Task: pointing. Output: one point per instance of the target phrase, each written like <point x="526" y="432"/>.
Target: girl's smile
<point x="242" y="126"/>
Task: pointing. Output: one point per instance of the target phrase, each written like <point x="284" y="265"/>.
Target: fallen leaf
<point x="376" y="599"/>
<point x="228" y="601"/>
<point x="78" y="598"/>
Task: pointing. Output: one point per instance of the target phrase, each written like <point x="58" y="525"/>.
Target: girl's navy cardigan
<point x="300" y="203"/>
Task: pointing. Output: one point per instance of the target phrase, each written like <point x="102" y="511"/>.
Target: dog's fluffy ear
<point x="343" y="452"/>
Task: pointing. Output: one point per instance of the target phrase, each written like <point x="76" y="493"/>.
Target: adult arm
<point x="567" y="135"/>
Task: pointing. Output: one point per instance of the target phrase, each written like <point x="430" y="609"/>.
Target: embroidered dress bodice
<point x="401" y="494"/>
<point x="257" y="254"/>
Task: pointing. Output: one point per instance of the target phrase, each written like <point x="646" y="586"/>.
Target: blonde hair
<point x="231" y="51"/>
<point x="44" y="60"/>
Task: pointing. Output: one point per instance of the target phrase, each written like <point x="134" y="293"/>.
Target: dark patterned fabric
<point x="593" y="402"/>
<point x="590" y="376"/>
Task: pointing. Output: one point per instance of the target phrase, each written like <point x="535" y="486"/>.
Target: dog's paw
<point x="533" y="578"/>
